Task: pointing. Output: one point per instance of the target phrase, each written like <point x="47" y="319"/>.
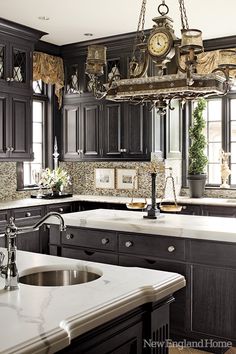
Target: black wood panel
<point x="112" y="130"/>
<point x="71" y="132"/>
<point x="213" y="301"/>
<point x="89" y="255"/>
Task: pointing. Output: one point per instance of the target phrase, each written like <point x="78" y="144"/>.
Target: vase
<point x="56" y="191"/>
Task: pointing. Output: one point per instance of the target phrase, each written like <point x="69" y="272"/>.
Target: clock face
<point x="159" y="44"/>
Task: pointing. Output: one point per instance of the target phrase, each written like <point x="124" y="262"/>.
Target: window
<point x="32" y="169"/>
<point x="28" y="172"/>
<point x="220" y="132"/>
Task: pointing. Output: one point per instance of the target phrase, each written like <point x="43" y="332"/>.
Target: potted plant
<point x="197" y="158"/>
<point x="55" y="179"/>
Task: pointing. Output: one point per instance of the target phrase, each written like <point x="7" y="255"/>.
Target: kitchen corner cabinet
<point x="16" y="70"/>
<point x="104" y="130"/>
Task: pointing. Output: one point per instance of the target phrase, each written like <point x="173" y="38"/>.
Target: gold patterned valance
<point x="49" y="69"/>
<point x="208" y="61"/>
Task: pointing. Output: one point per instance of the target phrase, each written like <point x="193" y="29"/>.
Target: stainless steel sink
<point x="60" y="277"/>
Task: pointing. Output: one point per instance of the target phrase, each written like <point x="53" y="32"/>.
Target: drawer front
<point x="98" y="239"/>
<point x="89" y="255"/>
<point x="61" y="208"/>
<point x="152" y="245"/>
<point x="150" y="263"/>
<point x="216" y="253"/>
<point x="27" y="216"/>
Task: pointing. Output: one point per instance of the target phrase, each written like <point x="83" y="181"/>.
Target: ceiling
<point x="69" y="20"/>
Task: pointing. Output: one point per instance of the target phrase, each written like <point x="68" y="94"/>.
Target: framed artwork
<point x="126" y="178"/>
<point x="105" y="178"/>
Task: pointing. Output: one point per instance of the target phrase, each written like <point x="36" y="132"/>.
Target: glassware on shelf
<point x="36" y="175"/>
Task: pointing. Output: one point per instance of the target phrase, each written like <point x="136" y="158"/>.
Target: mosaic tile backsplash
<point x="83" y="179"/>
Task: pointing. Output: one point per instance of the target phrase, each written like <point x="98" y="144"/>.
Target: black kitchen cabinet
<point x="16" y="71"/>
<point x="205" y="309"/>
<point x="101" y="129"/>
<point x="130" y="333"/>
<point x="23" y="217"/>
<point x="16" y="130"/>
<point x="15" y="63"/>
<point x="96" y="130"/>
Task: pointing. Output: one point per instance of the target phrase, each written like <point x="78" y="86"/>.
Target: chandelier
<point x="158" y="50"/>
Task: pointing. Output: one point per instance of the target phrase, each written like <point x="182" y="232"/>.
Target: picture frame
<point x="125" y="178"/>
<point x="104" y="178"/>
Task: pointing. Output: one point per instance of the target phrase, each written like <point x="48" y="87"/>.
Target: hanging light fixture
<point x="160" y="48"/>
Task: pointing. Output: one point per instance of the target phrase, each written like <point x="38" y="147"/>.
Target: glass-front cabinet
<point x="15" y="65"/>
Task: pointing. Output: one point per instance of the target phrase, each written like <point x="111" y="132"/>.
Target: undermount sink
<point x="60" y="277"/>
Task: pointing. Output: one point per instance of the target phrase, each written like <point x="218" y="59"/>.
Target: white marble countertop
<point x="187" y="226"/>
<point x="28" y="202"/>
<point x="44" y="319"/>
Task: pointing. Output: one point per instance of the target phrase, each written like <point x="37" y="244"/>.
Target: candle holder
<point x="152" y="211"/>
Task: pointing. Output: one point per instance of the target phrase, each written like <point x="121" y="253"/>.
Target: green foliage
<point x="197" y="157"/>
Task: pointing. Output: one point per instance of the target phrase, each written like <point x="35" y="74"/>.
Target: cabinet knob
<point x="105" y="241"/>
<point x="12" y="79"/>
<point x="8" y="148"/>
<point x="128" y="244"/>
<point x="80" y="152"/>
<point x="123" y="150"/>
<point x="171" y="249"/>
<point x="8" y="79"/>
<point x="11" y="148"/>
<point x="28" y="214"/>
<point x="69" y="236"/>
<point x="60" y="210"/>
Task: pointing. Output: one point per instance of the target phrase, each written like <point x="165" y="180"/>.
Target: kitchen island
<point x="200" y="248"/>
<point x="46" y="319"/>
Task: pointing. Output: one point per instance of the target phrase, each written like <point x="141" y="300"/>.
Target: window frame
<point x="225" y="133"/>
<point x="44" y="97"/>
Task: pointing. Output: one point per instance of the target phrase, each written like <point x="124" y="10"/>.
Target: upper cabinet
<point x="15" y="64"/>
<point x="16" y="70"/>
<point x="97" y="128"/>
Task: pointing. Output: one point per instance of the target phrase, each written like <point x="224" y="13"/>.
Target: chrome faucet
<point x="10" y="271"/>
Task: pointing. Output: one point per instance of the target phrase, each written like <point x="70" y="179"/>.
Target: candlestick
<point x="55" y="154"/>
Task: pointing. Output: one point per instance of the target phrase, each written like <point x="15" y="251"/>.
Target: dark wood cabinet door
<point x="135" y="132"/>
<point x="21" y="128"/>
<point x="29" y="241"/>
<point x="212" y="308"/>
<point x="112" y="130"/>
<point x="91" y="128"/>
<point x="71" y="132"/>
<point x="4" y="125"/>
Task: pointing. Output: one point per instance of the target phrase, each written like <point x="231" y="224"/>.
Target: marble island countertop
<point x="28" y="202"/>
<point x="187" y="226"/>
<point x="40" y="320"/>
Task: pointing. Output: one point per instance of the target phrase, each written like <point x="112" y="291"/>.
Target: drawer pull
<point x="28" y="214"/>
<point x="89" y="253"/>
<point x="171" y="249"/>
<point x="105" y="241"/>
<point x="150" y="261"/>
<point x="69" y="236"/>
<point x="128" y="244"/>
<point x="60" y="210"/>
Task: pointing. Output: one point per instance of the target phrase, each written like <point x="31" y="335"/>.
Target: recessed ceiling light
<point x="88" y="34"/>
<point x="44" y="18"/>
